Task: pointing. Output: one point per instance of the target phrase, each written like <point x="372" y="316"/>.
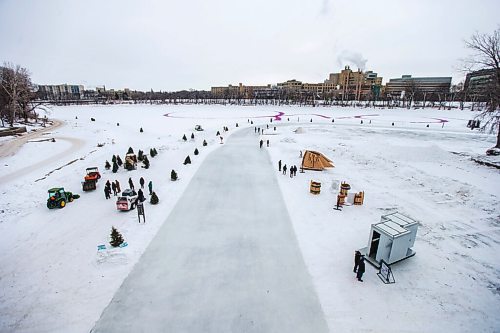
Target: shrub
<point x="130" y="150"/>
<point x="107" y="166"/>
<point x="192" y="135"/>
<point x="115" y="167"/>
<point x="119" y="160"/>
<point x="173" y="175"/>
<point x="116" y="238"/>
<point x="187" y="160"/>
<point x="205" y="143"/>
<point x="184" y="137"/>
<point x="140" y="155"/>
<point x="154" y="199"/>
<point x="196" y="152"/>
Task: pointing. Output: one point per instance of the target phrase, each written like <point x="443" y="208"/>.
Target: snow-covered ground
<point x="53" y="278"/>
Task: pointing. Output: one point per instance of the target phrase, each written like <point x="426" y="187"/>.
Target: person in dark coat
<point x="361" y="268"/>
<point x="284" y="169"/>
<point x="150" y="187"/>
<point x="131" y="184"/>
<point x="141" y="181"/>
<point x="118" y="189"/>
<point x="261" y="143"/>
<point x="113" y="187"/>
<point x="357" y="256"/>
<point x="108" y="185"/>
<point x="140" y="196"/>
<point x="268" y="143"/>
<point x="107" y="192"/>
<point x="279" y="165"/>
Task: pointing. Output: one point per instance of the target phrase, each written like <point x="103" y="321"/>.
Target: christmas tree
<point x="154" y="199"/>
<point x="184" y="137"/>
<point x="173" y="175"/>
<point x="205" y="142"/>
<point x="140" y="155"/>
<point x="116" y="238"/>
<point x="119" y="160"/>
<point x="187" y="160"/>
<point x="196" y="152"/>
<point x="107" y="165"/>
<point x="115" y="167"/>
<point x="130" y="150"/>
<point x="113" y="159"/>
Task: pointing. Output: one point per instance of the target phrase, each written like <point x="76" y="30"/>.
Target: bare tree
<point x="486" y="55"/>
<point x="16" y="86"/>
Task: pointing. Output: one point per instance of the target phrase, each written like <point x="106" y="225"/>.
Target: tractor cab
<point x="57" y="198"/>
<point x="127" y="201"/>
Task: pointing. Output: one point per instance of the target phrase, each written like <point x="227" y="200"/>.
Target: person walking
<point x="291" y="171"/>
<point x="357" y="256"/>
<point x="294" y="170"/>
<point x="268" y="143"/>
<point x="140" y="196"/>
<point x="131" y="183"/>
<point x="279" y="165"/>
<point x="150" y="187"/>
<point x="284" y="169"/>
<point x="361" y="268"/>
<point x="258" y="130"/>
<point x="108" y="185"/>
<point x="107" y="192"/>
<point x="118" y="189"/>
<point x="261" y="143"/>
<point x="113" y="187"/>
<point x="141" y="181"/>
<point x="255" y="129"/>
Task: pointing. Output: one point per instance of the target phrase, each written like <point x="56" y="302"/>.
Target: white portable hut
<point x="391" y="239"/>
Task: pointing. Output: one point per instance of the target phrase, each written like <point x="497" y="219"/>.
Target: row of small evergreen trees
<point x="117" y="161"/>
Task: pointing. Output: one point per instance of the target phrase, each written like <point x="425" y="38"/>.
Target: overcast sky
<point x="174" y="45"/>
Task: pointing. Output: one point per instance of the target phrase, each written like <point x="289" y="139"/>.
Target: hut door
<point x="374" y="245"/>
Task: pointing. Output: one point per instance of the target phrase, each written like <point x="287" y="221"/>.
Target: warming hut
<point x="391" y="239"/>
<point x="313" y="160"/>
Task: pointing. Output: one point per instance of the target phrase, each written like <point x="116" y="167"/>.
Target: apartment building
<point x="60" y="92"/>
<point x="355" y="85"/>
<point x="239" y="91"/>
<point x="398" y="88"/>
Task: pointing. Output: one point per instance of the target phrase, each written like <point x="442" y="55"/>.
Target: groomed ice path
<point x="225" y="260"/>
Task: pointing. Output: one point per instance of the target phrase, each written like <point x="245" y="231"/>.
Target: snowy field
<point x="53" y="278"/>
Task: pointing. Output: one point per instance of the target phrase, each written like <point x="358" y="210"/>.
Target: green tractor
<point x="58" y="197"/>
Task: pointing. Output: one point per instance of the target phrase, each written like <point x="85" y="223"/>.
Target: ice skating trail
<point x="225" y="260"/>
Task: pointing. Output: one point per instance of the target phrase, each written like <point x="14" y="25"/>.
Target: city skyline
<point x="196" y="45"/>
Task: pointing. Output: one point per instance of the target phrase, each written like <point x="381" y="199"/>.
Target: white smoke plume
<point x="351" y="58"/>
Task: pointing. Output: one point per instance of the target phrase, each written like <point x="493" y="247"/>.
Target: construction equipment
<point x="130" y="162"/>
<point x="127" y="201"/>
<point x="90" y="180"/>
<point x="58" y="197"/>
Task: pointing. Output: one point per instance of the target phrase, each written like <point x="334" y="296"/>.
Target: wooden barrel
<point x="341" y="199"/>
<point x="344" y="188"/>
<point x="315" y="187"/>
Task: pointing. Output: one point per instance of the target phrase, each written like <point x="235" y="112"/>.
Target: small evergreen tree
<point x="141" y="130"/>
<point x="107" y="166"/>
<point x="152" y="152"/>
<point x="184" y="137"/>
<point x="173" y="175"/>
<point x="146" y="162"/>
<point x="236" y="124"/>
<point x="192" y="135"/>
<point x="205" y="143"/>
<point x="154" y="199"/>
<point x="140" y="155"/>
<point x="113" y="159"/>
<point x="196" y="152"/>
<point x="119" y="160"/>
<point x="187" y="160"/>
<point x="116" y="238"/>
<point x="115" y="167"/>
<point x="130" y="150"/>
<point x="156" y="153"/>
<point x="218" y="133"/>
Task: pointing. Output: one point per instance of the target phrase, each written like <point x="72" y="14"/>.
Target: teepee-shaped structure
<point x="313" y="160"/>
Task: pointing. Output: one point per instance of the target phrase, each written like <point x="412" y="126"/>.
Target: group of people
<point x="293" y="169"/>
<point x="262" y="143"/>
<point x="114" y="186"/>
<point x="359" y="265"/>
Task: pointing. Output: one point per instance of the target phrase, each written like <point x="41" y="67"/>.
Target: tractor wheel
<point x="62" y="203"/>
<point x="70" y="199"/>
